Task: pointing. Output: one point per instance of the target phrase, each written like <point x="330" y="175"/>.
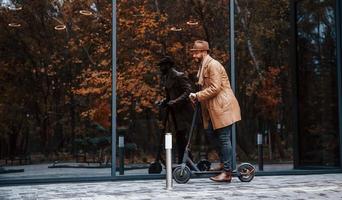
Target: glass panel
<point x="264" y="83"/>
<point x="55" y="83"/>
<point x="318" y="113"/>
<point x="147" y="30"/>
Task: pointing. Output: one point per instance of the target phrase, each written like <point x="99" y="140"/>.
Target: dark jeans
<point x="220" y="138"/>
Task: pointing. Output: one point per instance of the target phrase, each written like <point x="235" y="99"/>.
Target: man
<point x="220" y="108"/>
<point x="177" y="89"/>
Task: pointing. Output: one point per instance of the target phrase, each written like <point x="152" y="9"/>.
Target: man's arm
<point x="186" y="88"/>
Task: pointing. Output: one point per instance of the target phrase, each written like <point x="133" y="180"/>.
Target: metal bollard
<point x="168" y="149"/>
<point x="260" y="153"/>
<point x="122" y="154"/>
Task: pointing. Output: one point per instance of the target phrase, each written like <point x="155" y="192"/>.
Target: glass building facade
<point x="79" y="83"/>
<point x="317" y="87"/>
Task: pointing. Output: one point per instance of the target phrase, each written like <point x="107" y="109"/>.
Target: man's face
<point x="197" y="56"/>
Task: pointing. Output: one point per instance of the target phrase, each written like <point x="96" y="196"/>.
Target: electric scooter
<point x="182" y="173"/>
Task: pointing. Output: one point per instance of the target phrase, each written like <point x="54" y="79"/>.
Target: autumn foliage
<point x="54" y="83"/>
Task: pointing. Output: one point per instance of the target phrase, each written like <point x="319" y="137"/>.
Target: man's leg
<point x="224" y="135"/>
<point x="215" y="142"/>
<point x="181" y="143"/>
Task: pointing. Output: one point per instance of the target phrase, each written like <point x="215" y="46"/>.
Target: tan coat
<point x="217" y="99"/>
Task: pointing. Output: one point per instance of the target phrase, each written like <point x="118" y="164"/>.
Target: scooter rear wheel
<point x="180" y="175"/>
<point x="155" y="168"/>
<point x="246" y="172"/>
<point x="203" y="165"/>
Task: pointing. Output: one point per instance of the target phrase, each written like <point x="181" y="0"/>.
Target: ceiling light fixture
<point x="14" y="25"/>
<point x="175" y="29"/>
<point x="192" y="23"/>
<point x="15" y="8"/>
<point x="60" y="27"/>
<point x="85" y="12"/>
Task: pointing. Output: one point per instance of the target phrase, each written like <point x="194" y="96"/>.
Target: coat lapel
<point x="203" y="68"/>
<point x="205" y="64"/>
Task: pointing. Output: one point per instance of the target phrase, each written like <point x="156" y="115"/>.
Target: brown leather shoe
<point x="223" y="177"/>
<point x="217" y="168"/>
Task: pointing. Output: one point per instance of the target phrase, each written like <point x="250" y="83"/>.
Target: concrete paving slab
<point x="311" y="187"/>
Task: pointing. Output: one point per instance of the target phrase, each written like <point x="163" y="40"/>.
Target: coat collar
<point x="205" y="62"/>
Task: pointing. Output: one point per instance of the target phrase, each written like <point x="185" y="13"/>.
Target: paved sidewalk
<point x="262" y="187"/>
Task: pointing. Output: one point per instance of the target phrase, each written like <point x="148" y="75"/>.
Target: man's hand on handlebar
<point x="193" y="97"/>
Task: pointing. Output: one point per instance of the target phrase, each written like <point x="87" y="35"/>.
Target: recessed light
<point x="192" y="23"/>
<point x="85" y="12"/>
<point x="15" y="25"/>
<point x="175" y="29"/>
<point x="15" y="8"/>
<point x="60" y="27"/>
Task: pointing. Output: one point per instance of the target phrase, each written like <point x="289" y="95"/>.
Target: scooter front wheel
<point x="180" y="175"/>
<point x="246" y="172"/>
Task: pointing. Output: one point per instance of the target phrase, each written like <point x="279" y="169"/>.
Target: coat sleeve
<point x="186" y="88"/>
<point x="214" y="86"/>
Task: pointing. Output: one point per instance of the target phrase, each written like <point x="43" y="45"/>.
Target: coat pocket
<point x="220" y="103"/>
<point x="225" y="101"/>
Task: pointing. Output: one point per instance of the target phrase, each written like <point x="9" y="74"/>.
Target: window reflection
<point x="148" y="30"/>
<point x="55" y="83"/>
<point x="318" y="117"/>
<point x="264" y="83"/>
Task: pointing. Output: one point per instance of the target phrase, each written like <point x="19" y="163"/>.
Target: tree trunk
<point x="256" y="63"/>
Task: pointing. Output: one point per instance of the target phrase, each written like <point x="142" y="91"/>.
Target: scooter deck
<point x="209" y="172"/>
<point x="205" y="172"/>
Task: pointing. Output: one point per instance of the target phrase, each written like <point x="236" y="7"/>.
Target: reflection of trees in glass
<point x="59" y="79"/>
<point x="264" y="78"/>
<point x="148" y="29"/>
<point x="317" y="73"/>
<point x="44" y="104"/>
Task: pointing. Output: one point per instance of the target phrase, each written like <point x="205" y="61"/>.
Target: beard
<point x="197" y="60"/>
